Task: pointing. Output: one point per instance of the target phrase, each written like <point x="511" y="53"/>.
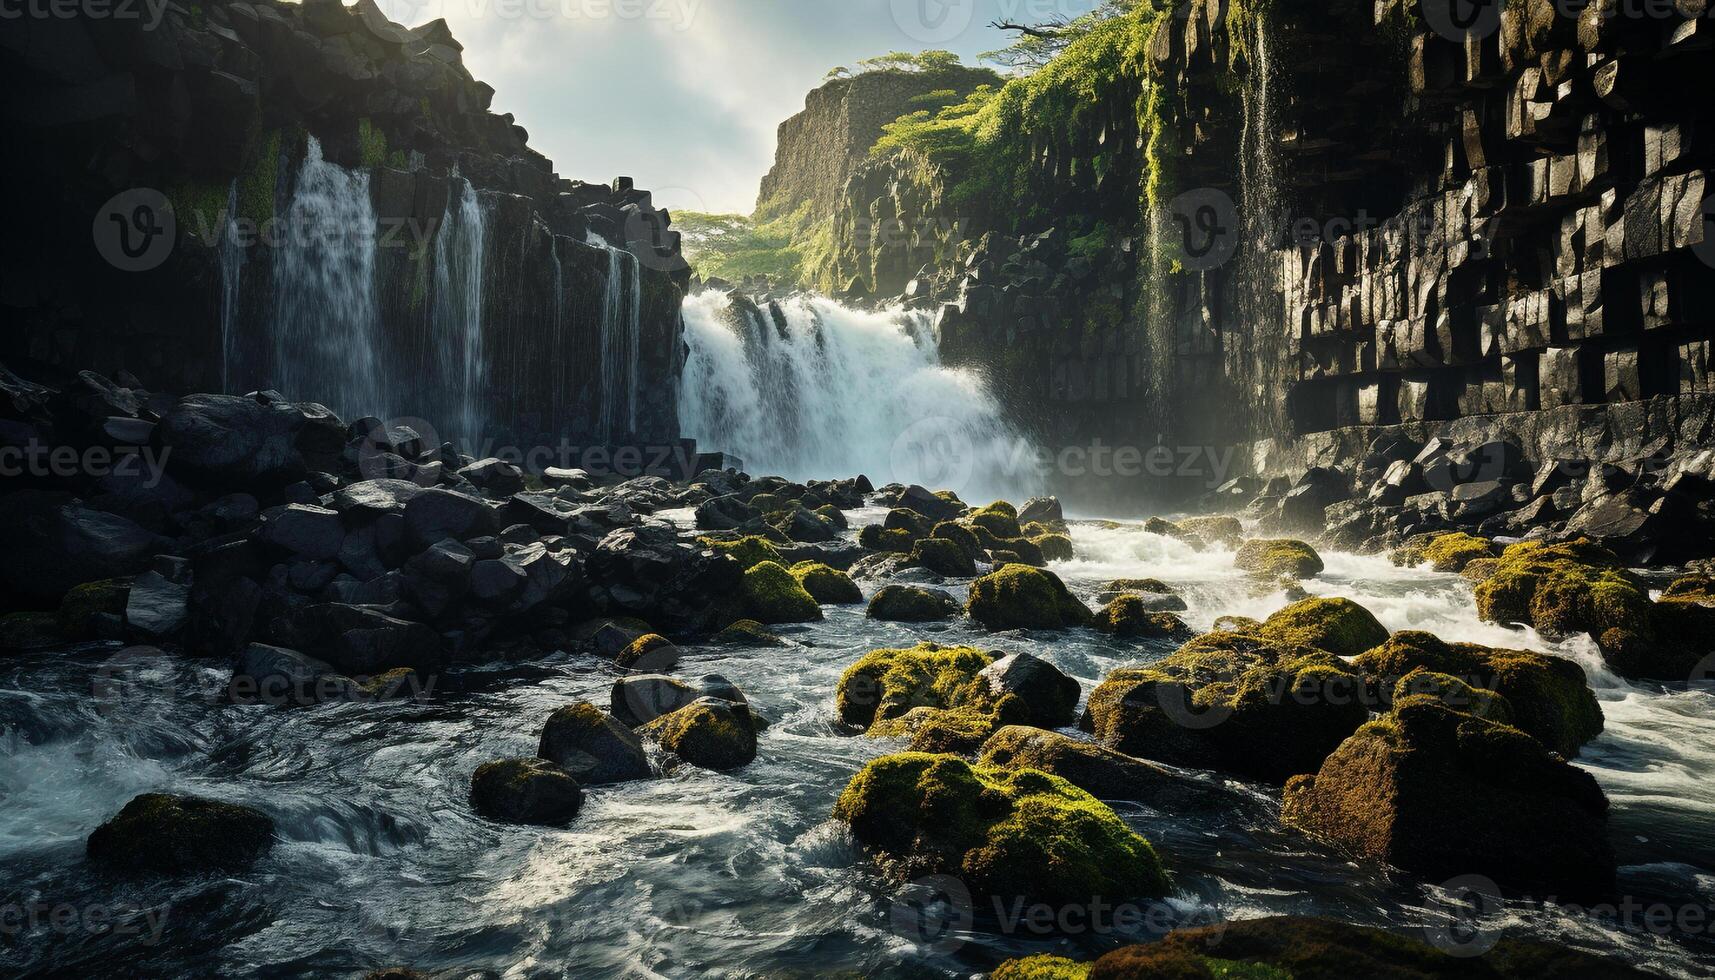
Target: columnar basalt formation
<point x="218" y="108"/>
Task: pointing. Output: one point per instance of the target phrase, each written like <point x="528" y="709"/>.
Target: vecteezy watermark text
<point x="97" y="918"/>
<point x="44" y="461"/>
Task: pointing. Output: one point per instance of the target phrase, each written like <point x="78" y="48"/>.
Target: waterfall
<point x="621" y="340"/>
<point x="824" y="391"/>
<point x="326" y="315"/>
<point x="1263" y="348"/>
<point x="457" y="312"/>
<point x="231" y="281"/>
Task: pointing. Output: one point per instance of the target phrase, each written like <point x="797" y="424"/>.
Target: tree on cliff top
<point x="1038" y="44"/>
<point x="915" y="62"/>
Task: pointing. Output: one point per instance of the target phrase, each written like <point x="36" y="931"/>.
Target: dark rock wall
<point x="221" y="99"/>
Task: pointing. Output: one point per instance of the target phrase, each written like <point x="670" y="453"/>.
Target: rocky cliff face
<point x="279" y="191"/>
<point x="820" y="148"/>
<point x="1352" y="219"/>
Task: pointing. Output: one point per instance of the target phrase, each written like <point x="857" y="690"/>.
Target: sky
<point x="685" y="95"/>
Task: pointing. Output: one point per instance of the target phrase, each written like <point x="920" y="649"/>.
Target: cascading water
<point x="231" y="282"/>
<point x="621" y="341"/>
<point x="1257" y="283"/>
<point x="327" y="315"/>
<point x="457" y="312"/>
<point x="826" y="391"/>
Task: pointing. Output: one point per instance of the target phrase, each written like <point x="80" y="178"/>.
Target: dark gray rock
<point x="436" y="514"/>
<point x="308" y="531"/>
<point x="526" y="791"/>
<point x="1049" y="695"/>
<point x="232" y="442"/>
<point x="53" y="542"/>
<point x="592" y="746"/>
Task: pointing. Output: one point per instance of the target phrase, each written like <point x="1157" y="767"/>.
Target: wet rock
<point x="725" y="513"/>
<point x="25" y="631"/>
<point x="1045" y="510"/>
<point x="1134" y="616"/>
<point x="93" y="610"/>
<point x="1050" y="697"/>
<point x="912" y="604"/>
<point x="1214" y="531"/>
<point x="286" y="678"/>
<point x="526" y="791"/>
<point x="1444" y="551"/>
<point x="1102" y="772"/>
<point x="232" y="442"/>
<point x="358" y="640"/>
<point x="879" y="567"/>
<point x="436" y="514"/>
<point x="166" y="834"/>
<point x="747" y="632"/>
<point x="311" y="532"/>
<point x="826" y="585"/>
<point x="1278" y="557"/>
<point x="709" y="733"/>
<point x="592" y="746"/>
<point x="1021" y="597"/>
<point x="944" y="557"/>
<point x="1442" y="793"/>
<point x="53" y="543"/>
<point x="368" y="499"/>
<point x="1337" y="625"/>
<point x="648" y="571"/>
<point x="1232" y="702"/>
<point x="772" y="595"/>
<point x="641" y="698"/>
<point x="495" y="477"/>
<point x="156" y="606"/>
<point x="651" y="653"/>
<point x="1020" y="836"/>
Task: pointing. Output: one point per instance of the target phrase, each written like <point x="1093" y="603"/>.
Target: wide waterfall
<point x="621" y="335"/>
<point x="457" y="311"/>
<point x="326" y="312"/>
<point x="820" y="390"/>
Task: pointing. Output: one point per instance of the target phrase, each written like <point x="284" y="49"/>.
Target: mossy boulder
<point x="1278" y="558"/>
<point x="1133" y="617"/>
<point x="1215" y="531"/>
<point x="1440" y="792"/>
<point x="772" y="595"/>
<point x="1157" y="595"/>
<point x="1333" y="624"/>
<point x="1289" y="947"/>
<point x="1549" y="697"/>
<point x="1692" y="588"/>
<point x="826" y="583"/>
<point x="21" y="631"/>
<point x="1042" y="966"/>
<point x="884" y="684"/>
<point x="943" y="557"/>
<point x="877" y="538"/>
<point x="592" y="746"/>
<point x="1445" y="552"/>
<point x="748" y="551"/>
<point x="1007" y="834"/>
<point x="1455" y="693"/>
<point x="1100" y="771"/>
<point x="1022" y="597"/>
<point x="650" y="653"/>
<point x="909" y="521"/>
<point x="999" y="519"/>
<point x="1050" y="698"/>
<point x="708" y="733"/>
<point x="911" y="604"/>
<point x="960" y="535"/>
<point x="94" y="610"/>
<point x="526" y="791"/>
<point x="1479" y="570"/>
<point x="1054" y="547"/>
<point x="167" y="834"/>
<point x="1232" y="702"/>
<point x="747" y="633"/>
<point x="1570" y="587"/>
<point x="959" y="731"/>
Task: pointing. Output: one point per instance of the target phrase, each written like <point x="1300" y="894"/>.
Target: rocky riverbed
<point x="313" y="697"/>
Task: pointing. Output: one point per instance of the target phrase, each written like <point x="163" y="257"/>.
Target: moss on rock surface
<point x="747" y="632"/>
<point x="1302" y="948"/>
<point x="1215" y="531"/>
<point x="83" y="608"/>
<point x="911" y="604"/>
<point x="943" y="557"/>
<point x="526" y="791"/>
<point x="1336" y="625"/>
<point x="1130" y="616"/>
<point x="1233" y="702"/>
<point x="1549" y="696"/>
<point x="1691" y="588"/>
<point x="1278" y="558"/>
<point x="1022" y="597"/>
<point x="182" y="834"/>
<point x="1098" y="770"/>
<point x="877" y="538"/>
<point x="1042" y="966"/>
<point x="591" y="746"/>
<point x="1054" y="547"/>
<point x="21" y="631"/>
<point x="748" y="551"/>
<point x="650" y="653"/>
<point x="999" y="519"/>
<point x="1440" y="792"/>
<point x="773" y="596"/>
<point x="885" y="684"/>
<point x="1016" y="835"/>
<point x="708" y="733"/>
<point x="826" y="583"/>
<point x="1446" y="552"/>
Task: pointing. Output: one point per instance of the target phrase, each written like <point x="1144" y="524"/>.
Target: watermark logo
<point x="933" y="452"/>
<point x="933" y="913"/>
<point x="1467" y="903"/>
<point x="1457" y="20"/>
<point x="135" y="230"/>
<point x="933" y="21"/>
<point x="1206" y="228"/>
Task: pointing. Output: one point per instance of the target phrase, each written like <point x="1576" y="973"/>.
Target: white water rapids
<point x="825" y="391"/>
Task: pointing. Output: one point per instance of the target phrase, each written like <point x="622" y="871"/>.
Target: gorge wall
<point x="1294" y="229"/>
<point x="311" y="197"/>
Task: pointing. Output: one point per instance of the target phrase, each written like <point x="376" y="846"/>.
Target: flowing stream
<point x="701" y="874"/>
<point x="822" y="390"/>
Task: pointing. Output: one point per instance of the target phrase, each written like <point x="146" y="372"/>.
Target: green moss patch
<point x="1278" y="558"/>
<point x="773" y="596"/>
<point x="825" y="583"/>
<point x="1022" y="597"/>
<point x="1339" y="626"/>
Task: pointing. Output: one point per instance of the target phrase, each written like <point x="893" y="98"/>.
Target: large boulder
<point x="1548" y="696"/>
<point x="591" y="746"/>
<point x="825" y="584"/>
<point x="647" y="571"/>
<point x="1278" y="558"/>
<point x="1447" y="551"/>
<point x="911" y="604"/>
<point x="52" y="543"/>
<point x="1050" y="697"/>
<point x="1102" y="772"/>
<point x="943" y="557"/>
<point x="437" y="514"/>
<point x="182" y="834"/>
<point x="772" y="595"/>
<point x="1022" y="597"/>
<point x="526" y="791"/>
<point x="1233" y="702"/>
<point x="1138" y="617"/>
<point x="1020" y="836"/>
<point x="1442" y="793"/>
<point x="642" y="698"/>
<point x="1337" y="625"/>
<point x="232" y="442"/>
<point x="709" y="733"/>
<point x="885" y="684"/>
